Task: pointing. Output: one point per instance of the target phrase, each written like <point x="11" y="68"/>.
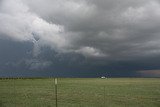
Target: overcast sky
<point x="83" y="38"/>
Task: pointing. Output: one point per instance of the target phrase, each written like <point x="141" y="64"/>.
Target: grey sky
<point x="87" y="33"/>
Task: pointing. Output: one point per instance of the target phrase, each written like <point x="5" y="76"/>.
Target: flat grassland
<point x="80" y="92"/>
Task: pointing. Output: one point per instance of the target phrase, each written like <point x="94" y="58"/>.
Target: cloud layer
<point x="105" y="31"/>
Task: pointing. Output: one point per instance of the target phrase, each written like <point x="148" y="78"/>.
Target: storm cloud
<point x="115" y="37"/>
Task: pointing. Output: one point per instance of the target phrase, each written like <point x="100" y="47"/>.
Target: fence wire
<point x="77" y="92"/>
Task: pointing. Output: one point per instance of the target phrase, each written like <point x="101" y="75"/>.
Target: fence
<point x="76" y="92"/>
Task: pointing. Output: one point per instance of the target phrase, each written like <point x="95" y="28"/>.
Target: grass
<point x="81" y="92"/>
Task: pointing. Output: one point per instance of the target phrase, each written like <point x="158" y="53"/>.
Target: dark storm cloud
<point x="97" y="35"/>
<point x="111" y="28"/>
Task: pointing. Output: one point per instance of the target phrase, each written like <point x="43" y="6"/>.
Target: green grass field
<point x="81" y="92"/>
